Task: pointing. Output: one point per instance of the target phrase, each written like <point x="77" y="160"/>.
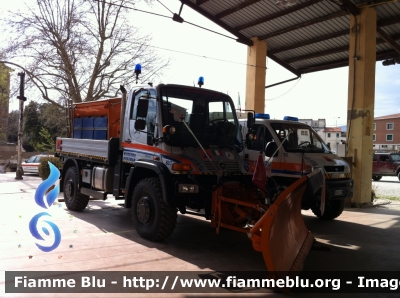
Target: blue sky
<point x="221" y="61"/>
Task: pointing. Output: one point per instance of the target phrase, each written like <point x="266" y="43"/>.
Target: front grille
<point x="334" y="169"/>
<point x="337" y="175"/>
<point x="216" y="165"/>
<point x="337" y="184"/>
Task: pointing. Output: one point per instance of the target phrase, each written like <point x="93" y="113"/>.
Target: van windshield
<point x="299" y="138"/>
<point x="210" y="115"/>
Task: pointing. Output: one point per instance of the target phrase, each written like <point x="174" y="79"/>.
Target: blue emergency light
<point x="138" y="71"/>
<point x="200" y="82"/>
<point x="290" y="118"/>
<point x="138" y="68"/>
<point x="261" y="116"/>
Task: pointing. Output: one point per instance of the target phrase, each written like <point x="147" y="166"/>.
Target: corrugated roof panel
<point x="215" y="7"/>
<point x="318" y="61"/>
<point x="387" y="11"/>
<point x="384" y="47"/>
<point x="312" y="49"/>
<point x="307" y="33"/>
<point x="251" y="13"/>
<point x="293" y="19"/>
<point x="392" y="29"/>
<point x="274" y="31"/>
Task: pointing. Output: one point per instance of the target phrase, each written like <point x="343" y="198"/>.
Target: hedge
<point x="44" y="169"/>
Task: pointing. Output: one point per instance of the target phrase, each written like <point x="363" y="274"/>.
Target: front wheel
<point x="333" y="208"/>
<point x="153" y="219"/>
<point x="74" y="199"/>
<point x="398" y="175"/>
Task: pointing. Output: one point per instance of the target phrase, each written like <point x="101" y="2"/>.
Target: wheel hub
<point x="143" y="210"/>
<point x="69" y="188"/>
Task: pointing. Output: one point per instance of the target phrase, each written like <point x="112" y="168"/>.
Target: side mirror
<point x="142" y="107"/>
<point x="250" y="120"/>
<point x="140" y="124"/>
<point x="249" y="138"/>
<point x="270" y="149"/>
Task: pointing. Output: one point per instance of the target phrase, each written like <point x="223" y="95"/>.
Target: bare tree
<point x="80" y="50"/>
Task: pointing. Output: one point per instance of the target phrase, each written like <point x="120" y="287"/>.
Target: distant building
<point x="318" y="125"/>
<point x="386" y="135"/>
<point x="332" y="136"/>
<point x="4" y="100"/>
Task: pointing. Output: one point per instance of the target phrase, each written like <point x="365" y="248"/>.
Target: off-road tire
<point x="377" y="178"/>
<point x="333" y="208"/>
<point x="74" y="199"/>
<point x="153" y="219"/>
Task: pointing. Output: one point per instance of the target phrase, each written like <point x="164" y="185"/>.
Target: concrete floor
<point x="102" y="238"/>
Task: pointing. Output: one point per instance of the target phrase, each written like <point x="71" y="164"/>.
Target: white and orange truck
<point x="171" y="147"/>
<point x="291" y="150"/>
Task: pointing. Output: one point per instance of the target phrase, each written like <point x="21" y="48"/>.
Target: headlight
<point x="188" y="188"/>
<point x="169" y="129"/>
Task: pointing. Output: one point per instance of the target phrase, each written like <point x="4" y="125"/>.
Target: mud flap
<point x="281" y="234"/>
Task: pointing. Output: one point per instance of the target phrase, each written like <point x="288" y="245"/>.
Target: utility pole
<point x="22" y="98"/>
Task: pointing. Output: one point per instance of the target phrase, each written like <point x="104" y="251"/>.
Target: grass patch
<point x="392" y="198"/>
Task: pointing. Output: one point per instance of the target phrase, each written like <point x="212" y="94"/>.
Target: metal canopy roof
<point x="310" y="36"/>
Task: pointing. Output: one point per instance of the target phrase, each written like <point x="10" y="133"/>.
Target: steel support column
<point x="361" y="95"/>
<point x="255" y="75"/>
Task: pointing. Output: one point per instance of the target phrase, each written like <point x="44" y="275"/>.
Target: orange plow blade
<point x="277" y="230"/>
<point x="285" y="239"/>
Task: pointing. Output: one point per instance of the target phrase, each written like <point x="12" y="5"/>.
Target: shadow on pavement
<point x="341" y="244"/>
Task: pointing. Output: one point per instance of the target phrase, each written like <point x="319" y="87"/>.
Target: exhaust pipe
<point x="122" y="115"/>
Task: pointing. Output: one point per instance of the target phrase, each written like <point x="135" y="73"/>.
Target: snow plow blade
<point x="284" y="239"/>
<point x="277" y="230"/>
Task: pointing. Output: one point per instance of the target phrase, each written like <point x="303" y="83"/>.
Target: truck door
<point x="145" y="136"/>
<point x="393" y="163"/>
<point x="384" y="164"/>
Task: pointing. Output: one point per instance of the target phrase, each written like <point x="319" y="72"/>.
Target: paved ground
<point x="387" y="188"/>
<point x="102" y="239"/>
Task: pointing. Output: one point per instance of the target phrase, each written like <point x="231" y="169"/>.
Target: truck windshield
<point x="299" y="138"/>
<point x="208" y="114"/>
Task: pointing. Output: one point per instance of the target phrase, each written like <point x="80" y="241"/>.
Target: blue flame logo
<point x="45" y="200"/>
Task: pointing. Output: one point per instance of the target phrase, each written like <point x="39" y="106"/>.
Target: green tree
<point x="53" y="118"/>
<point x="43" y="123"/>
<point x="32" y="125"/>
<point x="46" y="142"/>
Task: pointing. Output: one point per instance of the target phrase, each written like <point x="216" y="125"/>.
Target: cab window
<point x="384" y="158"/>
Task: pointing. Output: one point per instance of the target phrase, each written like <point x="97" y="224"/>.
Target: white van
<point x="292" y="149"/>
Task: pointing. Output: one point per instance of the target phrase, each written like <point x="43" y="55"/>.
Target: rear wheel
<point x="74" y="199"/>
<point x="377" y="178"/>
<point x="333" y="208"/>
<point x="153" y="219"/>
<point x="398" y="175"/>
